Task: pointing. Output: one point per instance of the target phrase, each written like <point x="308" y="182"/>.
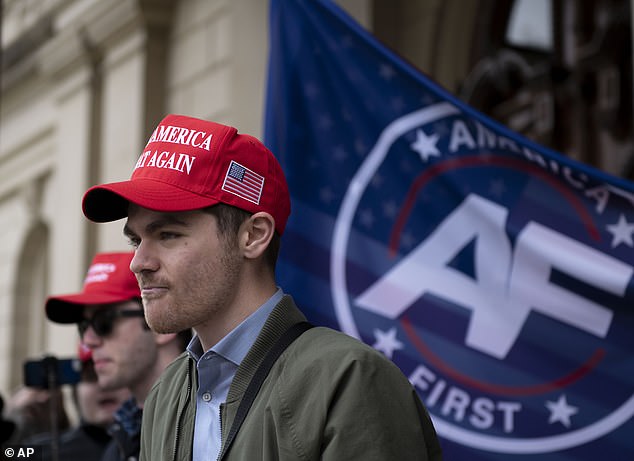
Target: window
<point x="530" y="25"/>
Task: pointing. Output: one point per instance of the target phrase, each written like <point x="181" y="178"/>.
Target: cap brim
<point x="70" y="308"/>
<point x="109" y="202"/>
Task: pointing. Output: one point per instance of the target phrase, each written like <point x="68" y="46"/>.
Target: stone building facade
<point x="83" y="83"/>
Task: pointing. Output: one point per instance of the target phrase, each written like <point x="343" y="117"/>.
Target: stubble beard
<point x="181" y="310"/>
<point x="161" y="319"/>
<point x="110" y="382"/>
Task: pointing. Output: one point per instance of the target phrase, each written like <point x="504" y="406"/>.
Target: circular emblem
<point x="473" y="265"/>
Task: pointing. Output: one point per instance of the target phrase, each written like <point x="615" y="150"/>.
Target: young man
<point x="95" y="406"/>
<point x="125" y="352"/>
<point x="205" y="209"/>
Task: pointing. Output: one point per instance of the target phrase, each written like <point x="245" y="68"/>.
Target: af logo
<point x="490" y="283"/>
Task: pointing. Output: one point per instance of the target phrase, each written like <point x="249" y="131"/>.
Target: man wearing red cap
<point x="95" y="406"/>
<point x="124" y="351"/>
<point x="206" y="208"/>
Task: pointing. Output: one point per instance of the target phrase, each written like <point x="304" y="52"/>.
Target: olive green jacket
<point x="327" y="397"/>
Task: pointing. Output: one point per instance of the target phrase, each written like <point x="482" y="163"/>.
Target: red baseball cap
<point x="109" y="280"/>
<point x="189" y="164"/>
<point x="84" y="353"/>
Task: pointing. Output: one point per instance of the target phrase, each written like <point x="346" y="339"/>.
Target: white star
<point x="386" y="342"/>
<point x="561" y="411"/>
<point x="621" y="232"/>
<point x="425" y="145"/>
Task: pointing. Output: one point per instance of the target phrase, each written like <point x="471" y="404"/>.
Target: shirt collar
<point x="129" y="415"/>
<point x="235" y="345"/>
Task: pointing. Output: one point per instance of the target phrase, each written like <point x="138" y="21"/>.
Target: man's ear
<point x="256" y="234"/>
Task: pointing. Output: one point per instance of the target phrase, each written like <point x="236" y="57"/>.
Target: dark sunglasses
<point x="102" y="322"/>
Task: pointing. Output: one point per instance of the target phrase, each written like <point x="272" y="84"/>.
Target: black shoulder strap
<point x="258" y="378"/>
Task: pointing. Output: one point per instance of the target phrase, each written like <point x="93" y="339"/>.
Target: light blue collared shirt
<point x="216" y="369"/>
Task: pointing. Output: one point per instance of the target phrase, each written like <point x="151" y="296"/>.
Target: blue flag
<point x="496" y="273"/>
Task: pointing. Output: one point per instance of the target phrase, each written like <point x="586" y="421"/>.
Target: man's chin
<point x="107" y="382"/>
<point x="159" y="326"/>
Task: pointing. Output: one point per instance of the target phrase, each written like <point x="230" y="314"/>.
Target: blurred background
<point x="83" y="83"/>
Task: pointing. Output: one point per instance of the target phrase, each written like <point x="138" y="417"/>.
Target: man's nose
<point x="143" y="260"/>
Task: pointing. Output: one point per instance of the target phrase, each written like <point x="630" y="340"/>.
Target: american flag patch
<point x="243" y="182"/>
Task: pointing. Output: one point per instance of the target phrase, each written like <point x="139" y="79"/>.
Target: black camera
<point x="51" y="372"/>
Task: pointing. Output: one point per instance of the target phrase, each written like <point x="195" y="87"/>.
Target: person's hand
<point x="29" y="405"/>
<point x="30" y="408"/>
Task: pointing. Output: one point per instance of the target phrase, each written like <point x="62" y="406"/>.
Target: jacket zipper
<point x="182" y="413"/>
<point x="220" y="419"/>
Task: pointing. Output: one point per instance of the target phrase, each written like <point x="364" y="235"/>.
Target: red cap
<point x="84" y="353"/>
<point x="189" y="164"/>
<point x="109" y="280"/>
